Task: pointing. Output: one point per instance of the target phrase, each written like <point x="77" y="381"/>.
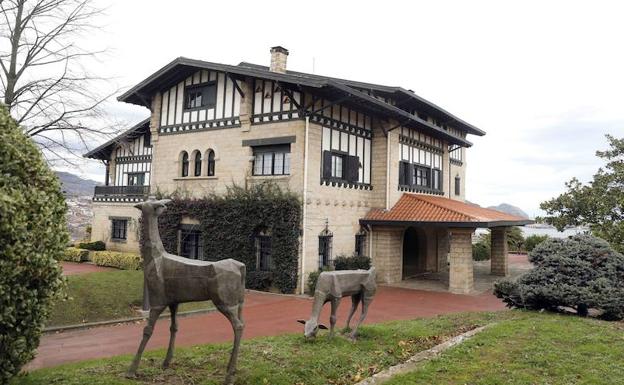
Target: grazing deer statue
<point x="172" y="280"/>
<point x="331" y="286"/>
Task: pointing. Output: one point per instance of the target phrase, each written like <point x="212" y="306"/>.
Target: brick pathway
<point x="73" y="268"/>
<point x="265" y="314"/>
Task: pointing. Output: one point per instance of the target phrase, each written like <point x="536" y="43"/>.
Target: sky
<point x="545" y="80"/>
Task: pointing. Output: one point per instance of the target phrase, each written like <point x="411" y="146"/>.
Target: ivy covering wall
<point x="230" y="222"/>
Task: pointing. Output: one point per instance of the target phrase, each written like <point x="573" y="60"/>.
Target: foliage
<point x="33" y="235"/>
<point x="598" y="204"/>
<point x="354" y="262"/>
<point x="259" y="280"/>
<point x="229" y="223"/>
<point x="515" y="239"/>
<point x="104" y="296"/>
<point x="312" y="278"/>
<point x="117" y="259"/>
<point x="481" y="251"/>
<point x="533" y="240"/>
<point x="96" y="246"/>
<point x="581" y="272"/>
<point x="281" y="360"/>
<point x="74" y="254"/>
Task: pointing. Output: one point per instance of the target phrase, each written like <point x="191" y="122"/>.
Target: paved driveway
<point x="265" y="314"/>
<point x="73" y="268"/>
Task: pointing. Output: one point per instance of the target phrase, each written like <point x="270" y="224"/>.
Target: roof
<point x="104" y="151"/>
<point x="182" y="67"/>
<point x="426" y="209"/>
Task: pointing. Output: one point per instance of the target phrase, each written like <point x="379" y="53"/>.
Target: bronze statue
<point x="331" y="286"/>
<point x="172" y="280"/>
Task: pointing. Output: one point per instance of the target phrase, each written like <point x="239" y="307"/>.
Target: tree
<point x="34" y="233"/>
<point x="44" y="82"/>
<point x="598" y="204"/>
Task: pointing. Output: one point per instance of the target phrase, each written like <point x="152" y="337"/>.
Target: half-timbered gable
<point x="273" y="102"/>
<point x="133" y="160"/>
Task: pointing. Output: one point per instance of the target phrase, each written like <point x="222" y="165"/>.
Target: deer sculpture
<point x="331" y="286"/>
<point x="172" y="280"/>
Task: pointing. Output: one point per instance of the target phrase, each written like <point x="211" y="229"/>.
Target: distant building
<point x="382" y="171"/>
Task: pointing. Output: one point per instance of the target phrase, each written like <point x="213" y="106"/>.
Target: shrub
<point x="481" y="251"/>
<point x="343" y="262"/>
<point x="533" y="240"/>
<point x="119" y="260"/>
<point x="95" y="246"/>
<point x="581" y="272"/>
<point x="33" y="237"/>
<point x="259" y="280"/>
<point x="74" y="254"/>
<point x="515" y="239"/>
<point x="312" y="278"/>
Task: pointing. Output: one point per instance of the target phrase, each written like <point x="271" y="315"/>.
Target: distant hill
<point x="510" y="209"/>
<point x="75" y="186"/>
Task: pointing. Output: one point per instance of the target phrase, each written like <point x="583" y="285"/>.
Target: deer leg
<point x="365" y="302"/>
<point x="332" y="318"/>
<point x="173" y="309"/>
<point x="355" y="300"/>
<point x="147" y="333"/>
<point x="234" y="315"/>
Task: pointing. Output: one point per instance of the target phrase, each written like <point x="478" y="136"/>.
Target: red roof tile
<point x="428" y="208"/>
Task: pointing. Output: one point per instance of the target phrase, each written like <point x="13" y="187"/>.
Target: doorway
<point x="414" y="248"/>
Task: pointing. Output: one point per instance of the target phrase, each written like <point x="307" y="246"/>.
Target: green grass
<point x="286" y="359"/>
<point x="534" y="349"/>
<point x="104" y="296"/>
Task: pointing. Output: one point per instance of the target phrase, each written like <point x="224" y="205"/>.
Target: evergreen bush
<point x="33" y="236"/>
<point x="533" y="240"/>
<point x="116" y="259"/>
<point x="74" y="254"/>
<point x="354" y="262"/>
<point x="581" y="272"/>
<point x="95" y="246"/>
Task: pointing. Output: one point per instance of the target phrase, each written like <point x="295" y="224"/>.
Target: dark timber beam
<point x="290" y="95"/>
<point x="329" y="105"/>
<point x="240" y="91"/>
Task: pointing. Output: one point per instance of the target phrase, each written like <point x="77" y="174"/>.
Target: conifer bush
<point x="33" y="236"/>
<point x="581" y="272"/>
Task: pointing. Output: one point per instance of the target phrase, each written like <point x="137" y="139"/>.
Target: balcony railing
<point x="120" y="193"/>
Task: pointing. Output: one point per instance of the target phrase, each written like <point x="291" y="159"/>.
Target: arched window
<point x="325" y="248"/>
<point x="211" y="163"/>
<point x="185" y="164"/>
<point x="198" y="162"/>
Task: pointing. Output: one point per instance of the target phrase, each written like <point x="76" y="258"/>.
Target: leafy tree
<point x="33" y="235"/>
<point x="598" y="204"/>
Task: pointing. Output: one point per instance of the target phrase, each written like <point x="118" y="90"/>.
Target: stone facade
<point x="499" y="260"/>
<point x="461" y="279"/>
<point x="103" y="213"/>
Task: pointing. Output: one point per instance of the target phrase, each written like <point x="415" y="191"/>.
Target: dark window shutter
<point x="402" y="166"/>
<point x="353" y="168"/>
<point x="409" y="177"/>
<point x="327" y="164"/>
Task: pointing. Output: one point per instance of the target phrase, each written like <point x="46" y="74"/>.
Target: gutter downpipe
<point x="388" y="171"/>
<point x="305" y="198"/>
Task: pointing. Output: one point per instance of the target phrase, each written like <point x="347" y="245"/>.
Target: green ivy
<point x="229" y="222"/>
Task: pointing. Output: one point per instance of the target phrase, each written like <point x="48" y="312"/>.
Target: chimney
<point x="278" y="59"/>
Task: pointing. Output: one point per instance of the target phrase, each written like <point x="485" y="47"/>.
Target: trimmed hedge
<point x="33" y="236"/>
<point x="119" y="260"/>
<point x="74" y="254"/>
<point x="229" y="223"/>
<point x="343" y="262"/>
<point x="259" y="280"/>
<point x="95" y="246"/>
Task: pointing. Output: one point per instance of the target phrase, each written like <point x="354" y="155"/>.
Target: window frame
<point x="184" y="172"/>
<point x="457" y="185"/>
<point x="260" y="152"/>
<point x="263" y="245"/>
<point x="197" y="164"/>
<point x="360" y="244"/>
<point x="325" y="249"/>
<point x="131" y="175"/>
<point x="116" y="230"/>
<point x="191" y="237"/>
<point x="203" y="86"/>
<point x="210" y="163"/>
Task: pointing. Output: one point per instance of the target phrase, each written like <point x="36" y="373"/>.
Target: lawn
<point x="104" y="296"/>
<point x="285" y="359"/>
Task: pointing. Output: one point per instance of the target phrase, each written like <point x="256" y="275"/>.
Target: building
<point x="380" y="170"/>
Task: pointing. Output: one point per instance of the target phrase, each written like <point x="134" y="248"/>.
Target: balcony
<point x="120" y="193"/>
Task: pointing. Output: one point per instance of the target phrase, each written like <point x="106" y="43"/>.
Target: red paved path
<point x="265" y="314"/>
<point x="73" y="268"/>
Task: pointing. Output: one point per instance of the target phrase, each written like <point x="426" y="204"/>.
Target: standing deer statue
<point x="172" y="280"/>
<point x="331" y="286"/>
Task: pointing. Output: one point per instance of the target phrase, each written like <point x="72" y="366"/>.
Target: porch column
<point x="461" y="280"/>
<point x="499" y="260"/>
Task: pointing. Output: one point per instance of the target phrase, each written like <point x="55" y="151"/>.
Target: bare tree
<point x="45" y="84"/>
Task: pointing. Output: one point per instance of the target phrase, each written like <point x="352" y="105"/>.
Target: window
<point x="191" y="243"/>
<point x="360" y="244"/>
<point x="136" y="179"/>
<point x="263" y="252"/>
<point x="271" y="160"/>
<point x="185" y="164"/>
<point x="198" y="163"/>
<point x="325" y="248"/>
<point x="211" y="163"/>
<point x="340" y="166"/>
<point x="200" y="96"/>
<point x="147" y="139"/>
<point x="336" y="165"/>
<point x="457" y="185"/>
<point x="120" y="229"/>
<point x="455" y="153"/>
<point x="421" y="176"/>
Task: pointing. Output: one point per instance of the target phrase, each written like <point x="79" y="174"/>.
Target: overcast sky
<point x="543" y="79"/>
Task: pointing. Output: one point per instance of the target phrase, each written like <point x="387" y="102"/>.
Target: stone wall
<point x="461" y="279"/>
<point x="102" y="225"/>
<point x="388" y="253"/>
<point x="499" y="258"/>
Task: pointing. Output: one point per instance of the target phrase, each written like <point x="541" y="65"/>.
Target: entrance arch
<point x="414" y="252"/>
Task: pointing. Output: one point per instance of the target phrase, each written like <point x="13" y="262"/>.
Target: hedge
<point x="74" y="254"/>
<point x="95" y="246"/>
<point x="229" y="223"/>
<point x="119" y="260"/>
<point x="33" y="237"/>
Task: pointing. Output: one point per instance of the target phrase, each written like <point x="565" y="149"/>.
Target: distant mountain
<point x="75" y="186"/>
<point x="510" y="209"/>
